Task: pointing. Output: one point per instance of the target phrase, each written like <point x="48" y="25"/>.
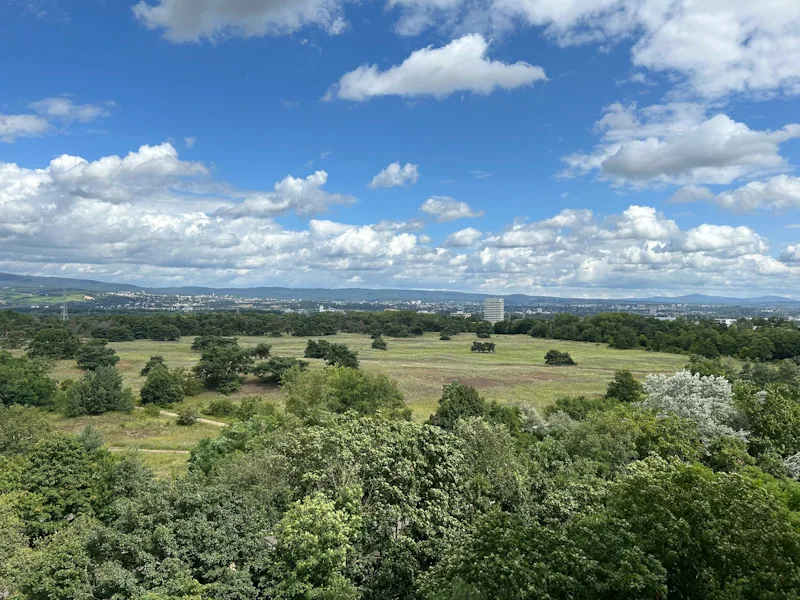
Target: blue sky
<point x="594" y="148"/>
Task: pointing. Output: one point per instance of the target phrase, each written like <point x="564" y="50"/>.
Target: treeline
<point x="755" y="339"/>
<point x="17" y="328"/>
<point x="684" y="487"/>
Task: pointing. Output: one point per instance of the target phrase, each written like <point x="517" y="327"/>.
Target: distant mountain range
<point x="32" y="283"/>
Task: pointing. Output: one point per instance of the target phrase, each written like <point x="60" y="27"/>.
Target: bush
<point x="191" y="384"/>
<point x="250" y="406"/>
<point x="556" y="358"/>
<point x="229" y="387"/>
<point x="260" y="351"/>
<point x="317" y="349"/>
<point x="482" y="347"/>
<point x="162" y="387"/>
<point x="25" y="381"/>
<point x="204" y="342"/>
<point x="579" y="408"/>
<point x="380" y="344"/>
<point x="457" y="402"/>
<point x="444" y="337"/>
<point x="340" y="355"/>
<point x="187" y="417"/>
<point x="155" y="361"/>
<point x="220" y="407"/>
<point x="152" y="410"/>
<point x="275" y="368"/>
<point x="96" y="353"/>
<point x="625" y="388"/>
<point x="98" y="392"/>
<point x="223" y="363"/>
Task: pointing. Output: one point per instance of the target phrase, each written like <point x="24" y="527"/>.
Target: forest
<point x="686" y="485"/>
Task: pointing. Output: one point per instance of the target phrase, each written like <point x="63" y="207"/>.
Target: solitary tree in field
<point x="557" y="358"/>
<point x="380" y="344"/>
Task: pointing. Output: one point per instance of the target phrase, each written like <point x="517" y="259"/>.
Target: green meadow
<point x="421" y="366"/>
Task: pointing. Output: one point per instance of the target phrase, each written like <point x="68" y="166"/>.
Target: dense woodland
<point x="686" y="486"/>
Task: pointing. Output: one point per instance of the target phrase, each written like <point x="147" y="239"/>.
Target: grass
<point x="421" y="366"/>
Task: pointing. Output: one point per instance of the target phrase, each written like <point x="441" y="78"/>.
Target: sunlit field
<point x="421" y="366"/>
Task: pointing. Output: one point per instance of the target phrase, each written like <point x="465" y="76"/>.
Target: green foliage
<point x="579" y="407"/>
<point x="445" y="337"/>
<point x="96" y="353"/>
<point x="187" y="417"/>
<point x="162" y="387"/>
<point x="557" y="358"/>
<point x="155" y="361"/>
<point x="458" y="401"/>
<point x="220" y="407"/>
<point x="317" y="349"/>
<point x="625" y="339"/>
<point x="21" y="428"/>
<point x="223" y="363"/>
<point x="339" y="355"/>
<point x="152" y="410"/>
<point x="625" y="388"/>
<point x="772" y="416"/>
<point x="204" y="342"/>
<point x="700" y="365"/>
<point x="56" y="343"/>
<point x="276" y="367"/>
<point x="380" y="344"/>
<point x="483" y="347"/>
<point x="25" y="381"/>
<point x="261" y="350"/>
<point x="191" y="384"/>
<point x="226" y="388"/>
<point x="97" y="392"/>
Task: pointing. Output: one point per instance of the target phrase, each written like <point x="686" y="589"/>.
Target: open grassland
<point x="421" y="366"/>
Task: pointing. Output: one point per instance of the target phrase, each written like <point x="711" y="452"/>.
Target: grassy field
<point x="421" y="366"/>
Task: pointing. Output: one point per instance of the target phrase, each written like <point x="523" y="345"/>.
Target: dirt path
<point x="168" y="413"/>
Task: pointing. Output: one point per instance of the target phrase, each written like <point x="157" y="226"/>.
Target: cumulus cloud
<point x="715" y="47"/>
<point x="191" y="21"/>
<point x="463" y="238"/>
<point x="778" y="193"/>
<point x="678" y="144"/>
<point x="15" y="126"/>
<point x="395" y="175"/>
<point x="445" y="209"/>
<point x="461" y="65"/>
<point x="153" y="218"/>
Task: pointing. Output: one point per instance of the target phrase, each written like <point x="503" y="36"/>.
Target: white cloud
<point x="463" y="238"/>
<point x="714" y="47"/>
<point x="189" y="142"/>
<point x="445" y="209"/>
<point x="64" y="109"/>
<point x="193" y="20"/>
<point x="395" y="175"/>
<point x="778" y="193"/>
<point x="153" y="218"/>
<point x="678" y="144"/>
<point x="691" y="193"/>
<point x="14" y="126"/>
<point x="49" y="112"/>
<point x="461" y="65"/>
<point x="302" y="196"/>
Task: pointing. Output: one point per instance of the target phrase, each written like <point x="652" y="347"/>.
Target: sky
<point x="587" y="148"/>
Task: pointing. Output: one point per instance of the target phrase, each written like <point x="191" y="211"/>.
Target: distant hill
<point x="56" y="284"/>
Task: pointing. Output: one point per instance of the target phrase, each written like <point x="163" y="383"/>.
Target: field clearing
<point x="421" y="366"/>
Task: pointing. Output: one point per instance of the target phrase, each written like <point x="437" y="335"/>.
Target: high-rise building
<point x="494" y="310"/>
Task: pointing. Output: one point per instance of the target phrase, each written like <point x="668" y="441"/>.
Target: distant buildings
<point x="494" y="310"/>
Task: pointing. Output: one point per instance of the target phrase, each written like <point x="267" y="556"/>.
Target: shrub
<point x="220" y="407"/>
<point x="97" y="392"/>
<point x="625" y="388"/>
<point x="204" y="342"/>
<point x="96" y="353"/>
<point x="457" y="402"/>
<point x="579" y="408"/>
<point x="340" y="355"/>
<point x="444" y="337"/>
<point x="162" y="387"/>
<point x="152" y="410"/>
<point x="260" y="351"/>
<point x="155" y="361"/>
<point x="556" y="358"/>
<point x="317" y="349"/>
<point x="25" y="381"/>
<point x="56" y="343"/>
<point x="275" y="368"/>
<point x="380" y="344"/>
<point x="187" y="417"/>
<point x="229" y="387"/>
<point x="191" y="384"/>
<point x="483" y="347"/>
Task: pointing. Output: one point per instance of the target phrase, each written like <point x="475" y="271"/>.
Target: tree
<point x="96" y="353"/>
<point x="625" y="339"/>
<point x="97" y="392"/>
<point x="117" y="333"/>
<point x="261" y="350"/>
<point x="276" y="367"/>
<point x="204" y="342"/>
<point x="772" y="416"/>
<point x="317" y="349"/>
<point x="625" y="388"/>
<point x="155" y="361"/>
<point x="21" y="428"/>
<point x="339" y="355"/>
<point x="56" y="343"/>
<point x="556" y="358"/>
<point x="380" y="344"/>
<point x="223" y="363"/>
<point x="162" y="387"/>
<point x="700" y="365"/>
<point x="707" y="401"/>
<point x="482" y="347"/>
<point x="25" y="381"/>
<point x="162" y="332"/>
<point x="458" y="401"/>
